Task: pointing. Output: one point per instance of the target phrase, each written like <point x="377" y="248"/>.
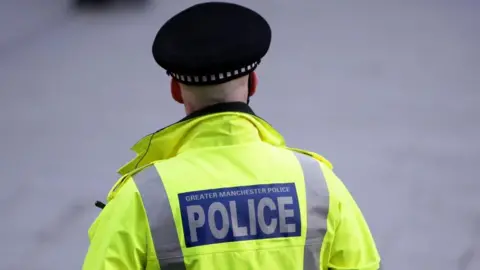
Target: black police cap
<point x="212" y="43"/>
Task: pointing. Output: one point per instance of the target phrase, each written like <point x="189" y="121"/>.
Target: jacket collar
<point x="238" y="107"/>
<point x="166" y="142"/>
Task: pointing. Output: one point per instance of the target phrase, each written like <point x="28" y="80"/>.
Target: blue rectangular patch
<point x="240" y="213"/>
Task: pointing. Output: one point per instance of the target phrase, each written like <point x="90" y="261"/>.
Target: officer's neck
<point x="241" y="107"/>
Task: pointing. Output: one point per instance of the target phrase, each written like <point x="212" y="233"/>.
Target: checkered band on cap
<point x="214" y="78"/>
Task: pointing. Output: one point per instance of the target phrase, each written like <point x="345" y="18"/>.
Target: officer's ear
<point x="176" y="92"/>
<point x="252" y="84"/>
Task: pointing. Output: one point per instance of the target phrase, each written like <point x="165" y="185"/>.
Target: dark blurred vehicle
<point x="92" y="2"/>
<point x="103" y="3"/>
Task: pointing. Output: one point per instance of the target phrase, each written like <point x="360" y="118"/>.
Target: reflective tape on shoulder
<point x="317" y="210"/>
<point x="161" y="220"/>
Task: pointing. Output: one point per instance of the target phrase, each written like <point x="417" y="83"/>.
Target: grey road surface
<point x="387" y="90"/>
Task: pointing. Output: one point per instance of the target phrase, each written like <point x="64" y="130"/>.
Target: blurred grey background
<point x="387" y="90"/>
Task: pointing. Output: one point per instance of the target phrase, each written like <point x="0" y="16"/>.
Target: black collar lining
<point x="219" y="108"/>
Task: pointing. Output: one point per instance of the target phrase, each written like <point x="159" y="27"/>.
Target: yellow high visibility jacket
<point x="221" y="190"/>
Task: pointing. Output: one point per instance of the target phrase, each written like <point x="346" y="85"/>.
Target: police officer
<point x="220" y="189"/>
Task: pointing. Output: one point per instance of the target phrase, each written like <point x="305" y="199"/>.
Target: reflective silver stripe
<point x="317" y="210"/>
<point x="160" y="218"/>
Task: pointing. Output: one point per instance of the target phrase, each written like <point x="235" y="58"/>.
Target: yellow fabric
<point x="166" y="143"/>
<point x="242" y="165"/>
<point x="196" y="149"/>
<point x="350" y="244"/>
<point x="120" y="237"/>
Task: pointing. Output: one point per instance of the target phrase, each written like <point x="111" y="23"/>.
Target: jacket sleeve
<point x="353" y="245"/>
<point x="118" y="237"/>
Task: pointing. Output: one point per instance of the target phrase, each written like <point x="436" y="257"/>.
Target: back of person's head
<point x="211" y="51"/>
